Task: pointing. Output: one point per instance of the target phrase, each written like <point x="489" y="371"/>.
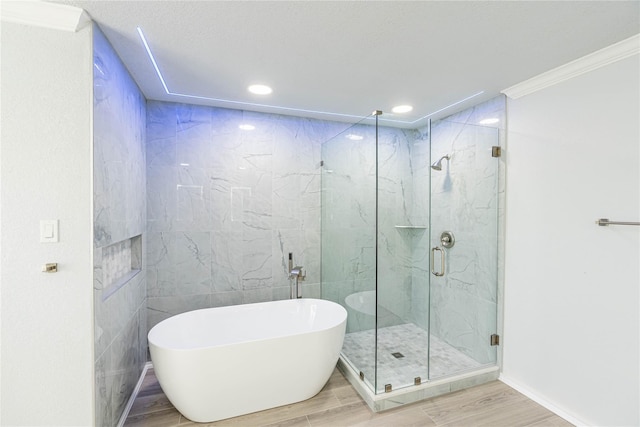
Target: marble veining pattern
<point x="225" y="206"/>
<point x="119" y="134"/>
<point x="119" y="215"/>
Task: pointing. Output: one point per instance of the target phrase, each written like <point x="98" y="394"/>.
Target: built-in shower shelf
<point x="411" y="227"/>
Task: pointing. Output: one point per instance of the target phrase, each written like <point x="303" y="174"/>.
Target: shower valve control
<point x="447" y="239"/>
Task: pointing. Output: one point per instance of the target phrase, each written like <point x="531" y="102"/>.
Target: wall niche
<point x="121" y="262"/>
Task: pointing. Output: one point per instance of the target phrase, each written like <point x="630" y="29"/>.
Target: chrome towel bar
<point x="605" y="221"/>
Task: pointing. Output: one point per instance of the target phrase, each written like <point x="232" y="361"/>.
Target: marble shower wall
<point x="418" y="237"/>
<point x="466" y="199"/>
<point x="225" y="206"/>
<point x="403" y="213"/>
<point x="119" y="215"/>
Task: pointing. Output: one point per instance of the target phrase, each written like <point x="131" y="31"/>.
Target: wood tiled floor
<point x="493" y="404"/>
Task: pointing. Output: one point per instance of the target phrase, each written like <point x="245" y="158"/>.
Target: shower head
<point x="437" y="166"/>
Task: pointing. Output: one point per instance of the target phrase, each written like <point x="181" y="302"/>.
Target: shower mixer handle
<point x="297" y="272"/>
<point x="447" y="239"/>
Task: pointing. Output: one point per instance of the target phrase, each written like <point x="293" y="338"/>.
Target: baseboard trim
<point x="542" y="401"/>
<point x="136" y="390"/>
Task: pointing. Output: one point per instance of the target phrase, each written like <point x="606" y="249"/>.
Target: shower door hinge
<point x="495" y="339"/>
<point x="496" y="151"/>
<point x="321" y="162"/>
<point x="362" y="375"/>
<point x="387" y="388"/>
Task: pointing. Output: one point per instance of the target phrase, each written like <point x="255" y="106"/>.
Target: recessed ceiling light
<point x="402" y="109"/>
<point x="246" y="126"/>
<point x="489" y="121"/>
<point x="354" y="137"/>
<point x="260" y="89"/>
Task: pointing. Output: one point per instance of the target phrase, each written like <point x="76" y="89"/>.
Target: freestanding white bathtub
<point x="223" y="362"/>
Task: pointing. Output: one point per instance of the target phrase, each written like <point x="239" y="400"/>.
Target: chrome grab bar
<point x="433" y="251"/>
<point x="605" y="221"/>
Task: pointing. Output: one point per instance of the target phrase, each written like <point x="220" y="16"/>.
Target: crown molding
<point x="597" y="59"/>
<point x="44" y="14"/>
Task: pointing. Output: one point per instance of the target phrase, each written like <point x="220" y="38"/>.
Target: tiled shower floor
<point x="412" y="343"/>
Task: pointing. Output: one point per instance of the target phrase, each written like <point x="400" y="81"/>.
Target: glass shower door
<point x="464" y="260"/>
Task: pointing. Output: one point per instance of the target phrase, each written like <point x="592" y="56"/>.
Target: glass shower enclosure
<point x="410" y="248"/>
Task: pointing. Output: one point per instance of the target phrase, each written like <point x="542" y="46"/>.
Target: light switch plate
<point x="49" y="231"/>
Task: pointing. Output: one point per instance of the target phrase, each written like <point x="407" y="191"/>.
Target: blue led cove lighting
<point x="153" y="60"/>
<point x="300" y="110"/>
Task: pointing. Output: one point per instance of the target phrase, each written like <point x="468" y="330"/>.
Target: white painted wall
<point x="0" y="231"/>
<point x="47" y="319"/>
<point x="571" y="328"/>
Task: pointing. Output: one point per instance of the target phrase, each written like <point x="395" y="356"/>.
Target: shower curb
<point x="426" y="390"/>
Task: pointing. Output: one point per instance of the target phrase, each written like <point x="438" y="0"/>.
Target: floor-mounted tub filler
<point x="223" y="362"/>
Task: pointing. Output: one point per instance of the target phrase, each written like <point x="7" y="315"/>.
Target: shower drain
<point x="397" y="355"/>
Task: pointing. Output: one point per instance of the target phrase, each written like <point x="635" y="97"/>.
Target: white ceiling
<point x="351" y="57"/>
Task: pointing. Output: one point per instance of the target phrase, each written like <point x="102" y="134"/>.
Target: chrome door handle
<point x="433" y="251"/>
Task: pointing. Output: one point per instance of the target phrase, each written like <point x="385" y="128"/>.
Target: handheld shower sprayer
<point x="438" y="165"/>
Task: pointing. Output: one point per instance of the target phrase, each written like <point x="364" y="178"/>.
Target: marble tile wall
<point x="119" y="215"/>
<point x="402" y="202"/>
<point x="225" y="206"/>
<point x="419" y="237"/>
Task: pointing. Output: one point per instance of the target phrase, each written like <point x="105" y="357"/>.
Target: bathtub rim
<point x="342" y="311"/>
